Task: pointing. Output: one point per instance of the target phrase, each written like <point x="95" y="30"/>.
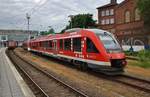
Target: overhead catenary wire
<point x="38" y="6"/>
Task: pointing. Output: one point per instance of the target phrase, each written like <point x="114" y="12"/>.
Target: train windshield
<point x="109" y="41"/>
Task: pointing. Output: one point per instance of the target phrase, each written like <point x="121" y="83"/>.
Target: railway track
<point x="134" y="82"/>
<point x="45" y="84"/>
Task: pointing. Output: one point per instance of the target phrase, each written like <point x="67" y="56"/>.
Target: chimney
<point x="113" y="1"/>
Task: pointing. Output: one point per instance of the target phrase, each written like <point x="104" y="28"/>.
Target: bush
<point x="129" y="53"/>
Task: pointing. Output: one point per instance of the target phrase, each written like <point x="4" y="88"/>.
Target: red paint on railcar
<point x="90" y="46"/>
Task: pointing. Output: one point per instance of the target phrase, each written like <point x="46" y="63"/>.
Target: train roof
<point x="76" y="32"/>
<point x="98" y="31"/>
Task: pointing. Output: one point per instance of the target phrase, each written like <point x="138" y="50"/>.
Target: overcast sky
<point x="44" y="13"/>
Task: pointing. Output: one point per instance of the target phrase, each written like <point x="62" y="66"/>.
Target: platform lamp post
<point x="28" y="26"/>
<point x="41" y="27"/>
<point x="49" y="27"/>
<point x="71" y="17"/>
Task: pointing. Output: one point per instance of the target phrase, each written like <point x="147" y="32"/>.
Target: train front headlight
<point x="124" y="62"/>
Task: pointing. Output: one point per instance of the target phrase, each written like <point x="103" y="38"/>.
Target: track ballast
<point x="45" y="83"/>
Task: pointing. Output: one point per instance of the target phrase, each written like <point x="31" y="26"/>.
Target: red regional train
<point x="86" y="48"/>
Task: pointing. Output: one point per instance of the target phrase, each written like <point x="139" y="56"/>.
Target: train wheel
<point x="81" y="65"/>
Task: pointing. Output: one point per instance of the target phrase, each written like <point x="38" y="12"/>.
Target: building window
<point x="127" y="16"/>
<point x="107" y="21"/>
<point x="103" y="22"/>
<point x="3" y="38"/>
<point x="77" y="44"/>
<point x="91" y="48"/>
<point x="137" y="15"/>
<point x="67" y="44"/>
<point x="103" y="13"/>
<point x="112" y="12"/>
<point x="107" y="12"/>
<point x="112" y="21"/>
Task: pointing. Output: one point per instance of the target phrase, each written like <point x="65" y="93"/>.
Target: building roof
<point x="113" y="4"/>
<point x="122" y="3"/>
<point x="108" y="5"/>
<point x="8" y="32"/>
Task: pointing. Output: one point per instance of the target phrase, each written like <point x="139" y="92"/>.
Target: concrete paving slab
<point x="11" y="83"/>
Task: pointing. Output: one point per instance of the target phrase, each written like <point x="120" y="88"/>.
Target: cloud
<point x="44" y="13"/>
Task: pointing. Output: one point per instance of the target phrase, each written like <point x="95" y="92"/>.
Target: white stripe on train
<point x="100" y="63"/>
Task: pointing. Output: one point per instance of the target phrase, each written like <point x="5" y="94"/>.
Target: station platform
<point x="11" y="83"/>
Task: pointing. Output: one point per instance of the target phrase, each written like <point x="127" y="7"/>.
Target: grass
<point x="144" y="58"/>
<point x="143" y="64"/>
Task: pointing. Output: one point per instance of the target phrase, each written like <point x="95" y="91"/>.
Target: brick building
<point x="124" y="21"/>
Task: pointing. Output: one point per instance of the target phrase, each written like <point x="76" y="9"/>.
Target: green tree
<point x="50" y="31"/>
<point x="81" y="21"/>
<point x="43" y="33"/>
<point x="144" y="7"/>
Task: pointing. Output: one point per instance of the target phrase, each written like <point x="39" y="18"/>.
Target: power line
<point x="33" y="10"/>
<point x="60" y="5"/>
<point x="39" y="6"/>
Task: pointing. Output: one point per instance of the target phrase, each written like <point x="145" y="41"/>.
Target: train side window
<point x="61" y="44"/>
<point x="45" y="44"/>
<point x="39" y="44"/>
<point x="67" y="44"/>
<point x="77" y="44"/>
<point x="91" y="48"/>
<point x="42" y="44"/>
<point x="50" y="44"/>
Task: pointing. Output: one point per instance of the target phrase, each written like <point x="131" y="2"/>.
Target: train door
<point x="55" y="48"/>
<point x="91" y="50"/>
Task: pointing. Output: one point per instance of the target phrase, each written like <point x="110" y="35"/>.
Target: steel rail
<point x="53" y="77"/>
<point x="122" y="79"/>
<point x="123" y="82"/>
<point x="27" y="75"/>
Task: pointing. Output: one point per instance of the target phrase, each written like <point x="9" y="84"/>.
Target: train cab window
<point x="91" y="48"/>
<point x="67" y="44"/>
<point x="77" y="44"/>
<point x="61" y="44"/>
